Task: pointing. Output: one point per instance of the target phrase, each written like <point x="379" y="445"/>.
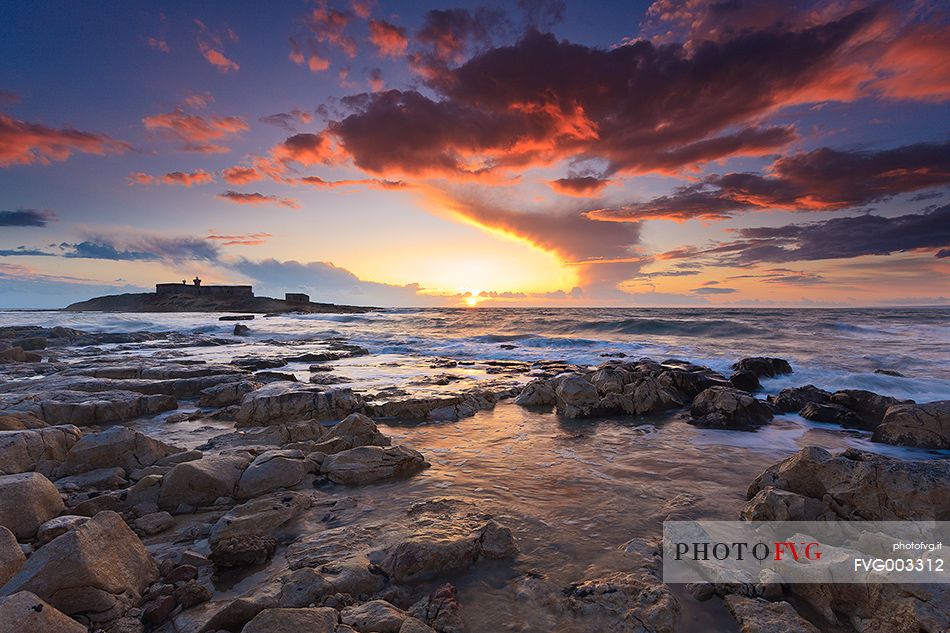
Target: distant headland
<point x="194" y="297"/>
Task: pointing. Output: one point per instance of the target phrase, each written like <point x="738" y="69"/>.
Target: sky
<point x="674" y="153"/>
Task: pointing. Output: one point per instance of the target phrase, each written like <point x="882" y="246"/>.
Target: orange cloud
<point x="198" y="177"/>
<point x="257" y="198"/>
<point x="306" y="149"/>
<point x="580" y="186"/>
<point x="210" y="45"/>
<point x="389" y="39"/>
<point x="328" y="26"/>
<point x="248" y="239"/>
<point x="241" y="175"/>
<point x="23" y="143"/>
<point x="196" y="132"/>
<point x="159" y="44"/>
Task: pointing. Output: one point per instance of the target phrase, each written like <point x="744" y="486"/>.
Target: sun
<point x="472" y="301"/>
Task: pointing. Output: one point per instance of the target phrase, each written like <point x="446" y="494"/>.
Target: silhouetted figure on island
<point x="197" y="281"/>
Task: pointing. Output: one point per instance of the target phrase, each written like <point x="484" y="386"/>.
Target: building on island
<point x="296" y="297"/>
<point x="197" y="290"/>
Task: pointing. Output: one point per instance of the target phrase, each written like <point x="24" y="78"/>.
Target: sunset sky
<point x="674" y="153"/>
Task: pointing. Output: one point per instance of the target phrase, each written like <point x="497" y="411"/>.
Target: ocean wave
<point x="667" y="327"/>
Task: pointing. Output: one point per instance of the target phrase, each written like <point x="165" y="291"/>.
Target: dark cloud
<point x="257" y="198"/>
<point x="640" y="107"/>
<point x="838" y="238"/>
<point x="713" y="290"/>
<point x="26" y="217"/>
<point x="288" y="120"/>
<point x="24" y="251"/>
<point x="141" y="248"/>
<point x="580" y="185"/>
<point x="820" y="180"/>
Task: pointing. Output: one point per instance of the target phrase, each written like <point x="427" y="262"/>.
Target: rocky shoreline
<point x="258" y="523"/>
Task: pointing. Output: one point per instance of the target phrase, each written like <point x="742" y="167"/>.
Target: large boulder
<point x="537" y="393"/>
<point x="366" y="464"/>
<point x="576" y="396"/>
<point x="94" y="572"/>
<point x="449" y="407"/>
<point x="244" y="535"/>
<point x="36" y="449"/>
<point x="922" y="425"/>
<point x="375" y="615"/>
<point x="307" y="620"/>
<point x="118" y="446"/>
<point x="794" y="399"/>
<point x="27" y="500"/>
<point x="763" y="366"/>
<point x="852" y="485"/>
<point x="201" y="482"/>
<point x="647" y="394"/>
<point x="728" y="408"/>
<point x="867" y="405"/>
<point x="11" y="556"/>
<point x="831" y="413"/>
<point x="755" y="615"/>
<point x="447" y="536"/>
<point x="355" y="430"/>
<point x="272" y="470"/>
<point x="25" y="612"/>
<point x="283" y="401"/>
<point x="623" y="603"/>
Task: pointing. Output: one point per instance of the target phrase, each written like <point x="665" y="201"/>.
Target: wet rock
<point x="36" y="449"/>
<point x="97" y="570"/>
<point x="435" y="408"/>
<point x="241" y="330"/>
<point x="274" y="376"/>
<point x="831" y="413"/>
<point x="312" y="620"/>
<point x="854" y="485"/>
<point x="237" y="536"/>
<point x="25" y="612"/>
<point x="355" y="430"/>
<point x="282" y="402"/>
<point x="889" y="372"/>
<point x="440" y="610"/>
<point x="226" y="394"/>
<point x="58" y="526"/>
<point x="19" y="355"/>
<point x="272" y="470"/>
<point x="118" y="446"/>
<point x="869" y="406"/>
<point x="157" y="610"/>
<point x="794" y="399"/>
<point x="760" y="616"/>
<point x="11" y="556"/>
<point x="201" y="482"/>
<point x="375" y="615"/>
<point x="610" y="379"/>
<point x="624" y="603"/>
<point x="366" y="464"/>
<point x="537" y="393"/>
<point x="100" y="408"/>
<point x="27" y="500"/>
<point x="922" y="425"/>
<point x="728" y="408"/>
<point x="745" y="380"/>
<point x="253" y="363"/>
<point x="763" y="367"/>
<point x="445" y="540"/>
<point x="30" y="344"/>
<point x="647" y="395"/>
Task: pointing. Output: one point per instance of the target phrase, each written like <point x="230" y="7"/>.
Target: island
<point x="182" y="297"/>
